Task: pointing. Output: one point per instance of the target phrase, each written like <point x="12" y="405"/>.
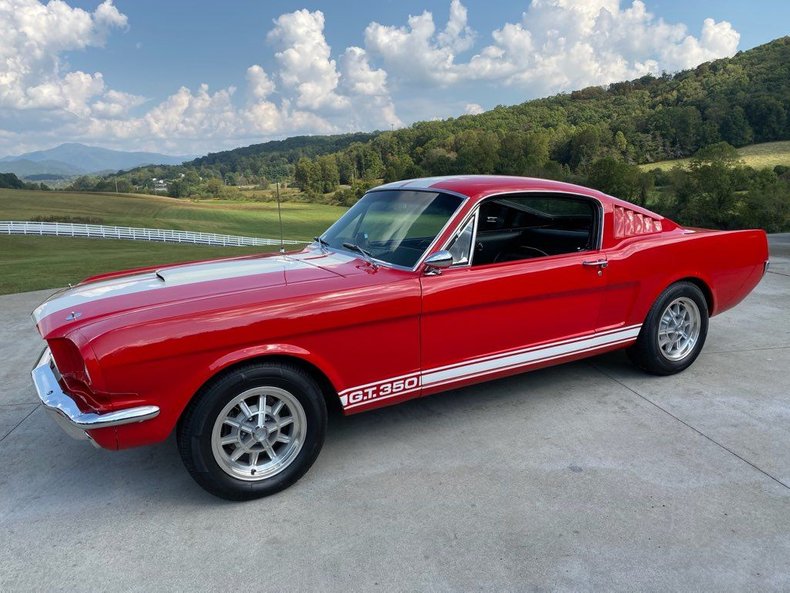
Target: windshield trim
<point x="428" y="249"/>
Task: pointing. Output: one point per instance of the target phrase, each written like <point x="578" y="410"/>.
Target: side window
<point x="461" y="246"/>
<point x="527" y="226"/>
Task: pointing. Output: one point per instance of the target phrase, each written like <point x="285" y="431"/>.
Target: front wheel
<point x="674" y="331"/>
<point x="254" y="432"/>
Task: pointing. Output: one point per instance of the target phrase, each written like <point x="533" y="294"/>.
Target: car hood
<point x="149" y="288"/>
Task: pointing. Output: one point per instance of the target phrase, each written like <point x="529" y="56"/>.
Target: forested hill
<point x="272" y="158"/>
<point x="740" y="100"/>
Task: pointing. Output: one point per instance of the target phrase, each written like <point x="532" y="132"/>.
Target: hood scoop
<point x="221" y="270"/>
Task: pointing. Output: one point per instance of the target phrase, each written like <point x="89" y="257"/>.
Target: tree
<point x="307" y="176"/>
<point x="83" y="183"/>
<point x="477" y="151"/>
<point x="680" y="127"/>
<point x="767" y="203"/>
<point x="767" y="118"/>
<point x="618" y="179"/>
<point x="721" y="151"/>
<point x="214" y="186"/>
<point x="536" y="149"/>
<point x="706" y="194"/>
<point x="402" y="167"/>
<point x="11" y="181"/>
<point x="345" y="168"/>
<point x="329" y="175"/>
<point x="369" y="163"/>
<point x="620" y="143"/>
<point x="512" y="154"/>
<point x="438" y="161"/>
<point x="584" y="146"/>
<point x="735" y="128"/>
<point x="178" y="188"/>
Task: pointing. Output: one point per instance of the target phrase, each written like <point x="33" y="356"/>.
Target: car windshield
<point x="393" y="226"/>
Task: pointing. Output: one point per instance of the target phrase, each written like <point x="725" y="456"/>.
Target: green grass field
<point x="759" y="156"/>
<point x="254" y="219"/>
<point x="32" y="263"/>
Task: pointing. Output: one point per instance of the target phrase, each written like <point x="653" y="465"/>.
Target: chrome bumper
<point x="65" y="411"/>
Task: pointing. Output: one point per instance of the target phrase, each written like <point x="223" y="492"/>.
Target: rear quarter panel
<point x="729" y="263"/>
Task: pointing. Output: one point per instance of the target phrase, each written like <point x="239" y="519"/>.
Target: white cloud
<point x="304" y="59"/>
<point x="567" y="44"/>
<point x="192" y="115"/>
<point x="359" y="77"/>
<point x="183" y="115"/>
<point x="115" y="104"/>
<point x="311" y="94"/>
<point x="557" y="45"/>
<point x="33" y="38"/>
<point x="313" y="97"/>
<point x="717" y="40"/>
<point x="416" y="53"/>
<point x="366" y="88"/>
<point x="259" y="83"/>
<point x="473" y="109"/>
<point x="457" y="35"/>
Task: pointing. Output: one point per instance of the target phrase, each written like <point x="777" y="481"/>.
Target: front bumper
<point x="64" y="409"/>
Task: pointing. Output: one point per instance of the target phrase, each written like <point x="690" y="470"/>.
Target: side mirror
<point x="436" y="262"/>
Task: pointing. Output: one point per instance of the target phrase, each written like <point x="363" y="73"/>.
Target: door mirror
<point x="436" y="262"/>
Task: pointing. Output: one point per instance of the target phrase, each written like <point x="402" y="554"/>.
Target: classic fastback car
<point x="422" y="286"/>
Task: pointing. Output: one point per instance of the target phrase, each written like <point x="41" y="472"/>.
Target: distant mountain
<point x="26" y="168"/>
<point x="79" y="159"/>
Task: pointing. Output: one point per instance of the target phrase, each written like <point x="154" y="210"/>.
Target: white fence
<point x="98" y="231"/>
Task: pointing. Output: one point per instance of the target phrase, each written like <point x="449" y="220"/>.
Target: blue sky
<point x="191" y="77"/>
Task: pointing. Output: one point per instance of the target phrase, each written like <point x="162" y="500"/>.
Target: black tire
<point x="647" y="354"/>
<point x="199" y="426"/>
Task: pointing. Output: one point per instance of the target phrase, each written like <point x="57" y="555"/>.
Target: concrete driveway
<point x="589" y="476"/>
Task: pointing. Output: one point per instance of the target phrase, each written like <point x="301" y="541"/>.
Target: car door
<point x="508" y="312"/>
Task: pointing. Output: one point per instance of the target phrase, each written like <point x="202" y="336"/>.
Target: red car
<point x="422" y="286"/>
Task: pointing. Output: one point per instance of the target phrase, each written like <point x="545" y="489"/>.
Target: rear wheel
<point x="254" y="432"/>
<point x="674" y="331"/>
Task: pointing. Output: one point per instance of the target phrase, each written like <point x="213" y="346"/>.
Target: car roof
<point x="477" y="187"/>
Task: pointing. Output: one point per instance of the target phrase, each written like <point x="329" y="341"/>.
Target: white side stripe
<point x="444" y="375"/>
<point x="612" y="333"/>
<point x="529" y="356"/>
<point x="525" y="365"/>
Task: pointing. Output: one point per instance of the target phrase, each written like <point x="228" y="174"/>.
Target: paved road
<point x="590" y="476"/>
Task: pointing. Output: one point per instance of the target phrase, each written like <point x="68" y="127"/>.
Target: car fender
<point x="262" y="351"/>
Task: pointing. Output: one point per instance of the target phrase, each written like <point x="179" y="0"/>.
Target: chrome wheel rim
<point x="258" y="433"/>
<point x="679" y="329"/>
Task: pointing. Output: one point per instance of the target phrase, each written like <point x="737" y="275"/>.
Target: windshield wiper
<point x="322" y="243"/>
<point x="365" y="253"/>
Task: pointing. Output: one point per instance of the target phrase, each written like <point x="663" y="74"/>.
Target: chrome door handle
<point x="598" y="262"/>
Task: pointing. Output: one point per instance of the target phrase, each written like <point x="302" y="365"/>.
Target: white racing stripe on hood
<point x="192" y="273"/>
<point x="71" y="298"/>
